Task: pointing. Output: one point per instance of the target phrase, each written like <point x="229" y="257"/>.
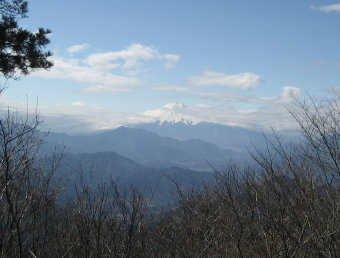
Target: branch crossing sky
<point x="234" y="62"/>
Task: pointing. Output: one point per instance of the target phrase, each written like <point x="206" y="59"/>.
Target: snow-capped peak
<point x="172" y="113"/>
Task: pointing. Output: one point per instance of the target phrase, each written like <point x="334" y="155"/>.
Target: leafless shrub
<point x="287" y="205"/>
<point x="26" y="190"/>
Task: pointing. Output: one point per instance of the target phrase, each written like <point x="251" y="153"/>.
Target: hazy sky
<point x="234" y="62"/>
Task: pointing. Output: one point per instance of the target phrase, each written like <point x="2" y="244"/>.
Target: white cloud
<point x="78" y="48"/>
<point x="87" y="119"/>
<point x="335" y="90"/>
<point x="228" y="97"/>
<point x="267" y="113"/>
<point x="79" y="116"/>
<point x="96" y="69"/>
<point x="173" y="112"/>
<point x="168" y="87"/>
<point x="75" y="108"/>
<point x="74" y="70"/>
<point x="328" y="8"/>
<point x="245" y="81"/>
<point x="78" y="104"/>
<point x="130" y="57"/>
<point x="75" y="117"/>
<point x="105" y="89"/>
<point x="271" y="115"/>
<point x="171" y="60"/>
<point x="290" y="93"/>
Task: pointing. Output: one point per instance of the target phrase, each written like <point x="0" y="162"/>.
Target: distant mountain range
<point x="144" y="154"/>
<point x="164" y="144"/>
<point x="95" y="168"/>
<point x="221" y="135"/>
<point x="148" y="148"/>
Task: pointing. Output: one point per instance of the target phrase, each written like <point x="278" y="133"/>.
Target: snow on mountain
<point x="173" y="113"/>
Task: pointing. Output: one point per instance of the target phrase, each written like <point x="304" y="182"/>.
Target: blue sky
<point x="232" y="62"/>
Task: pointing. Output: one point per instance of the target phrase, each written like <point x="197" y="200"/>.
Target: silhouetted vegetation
<point x="287" y="205"/>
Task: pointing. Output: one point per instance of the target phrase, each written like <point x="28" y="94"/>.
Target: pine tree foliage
<point x="20" y="50"/>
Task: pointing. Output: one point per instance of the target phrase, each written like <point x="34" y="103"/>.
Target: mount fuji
<point x="173" y="113"/>
<point x="181" y="122"/>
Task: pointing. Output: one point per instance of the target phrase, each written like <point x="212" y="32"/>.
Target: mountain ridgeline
<point x="151" y="149"/>
<point x="146" y="155"/>
<point x="95" y="168"/>
<point x="231" y="137"/>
